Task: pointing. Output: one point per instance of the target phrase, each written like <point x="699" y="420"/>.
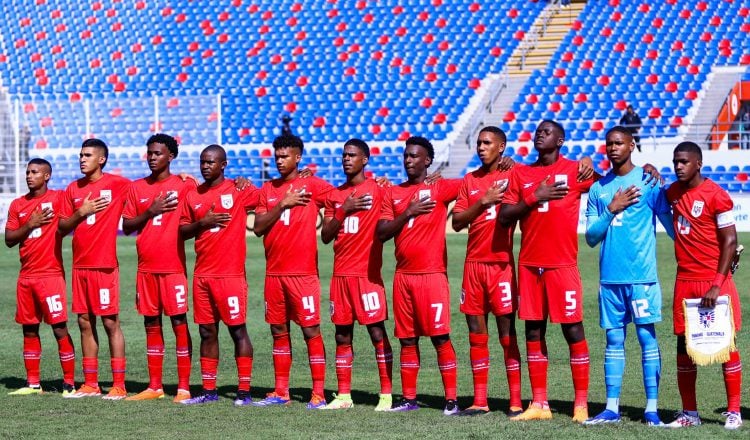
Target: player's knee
<point x="646" y="335"/>
<point x="311" y="332"/>
<point x="616" y="337"/>
<point x="208" y="332"/>
<point x="437" y="341"/>
<point x="60" y="330"/>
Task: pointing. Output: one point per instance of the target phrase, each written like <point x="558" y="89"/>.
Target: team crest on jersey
<point x="502" y="183"/>
<point x="226" y="201"/>
<point x="697" y="208"/>
<point x="706" y="318"/>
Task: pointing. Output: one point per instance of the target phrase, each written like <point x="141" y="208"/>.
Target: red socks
<point x="67" y="354"/>
<point x="184" y="353"/>
<point x="32" y="354"/>
<point x="687" y="373"/>
<point x="244" y="372"/>
<point x="579" y="369"/>
<point x="409" y="370"/>
<point x="344" y="358"/>
<point x="90" y="368"/>
<point x="446" y="357"/>
<point x="479" y="353"/>
<point x="512" y="369"/>
<point x="118" y="372"/>
<point x="208" y="373"/>
<point x="316" y="355"/>
<point x="733" y="381"/>
<point x="537" y="359"/>
<point x="282" y="362"/>
<point x="154" y="355"/>
<point x="384" y="358"/>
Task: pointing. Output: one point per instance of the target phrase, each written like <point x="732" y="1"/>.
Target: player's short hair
<point x="162" y="138"/>
<point x="689" y="147"/>
<point x="497" y="131"/>
<point x="619" y="129"/>
<point x="557" y="126"/>
<point x="97" y="143"/>
<point x="424" y="143"/>
<point x="40" y="161"/>
<point x="216" y="148"/>
<point x="288" y="141"/>
<point x="359" y="143"/>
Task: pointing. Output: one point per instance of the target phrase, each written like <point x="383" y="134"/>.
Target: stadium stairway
<point x="553" y="25"/>
<point x="712" y="96"/>
<point x="489" y="112"/>
<point x="543" y="38"/>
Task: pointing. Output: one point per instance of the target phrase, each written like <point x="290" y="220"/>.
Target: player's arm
<point x="509" y="213"/>
<point x="37" y="218"/>
<point x="388" y="229"/>
<point x="88" y="207"/>
<point x="352" y="204"/>
<point x="597" y="225"/>
<point x="160" y="205"/>
<point x="210" y="220"/>
<point x="265" y="221"/>
<point x="493" y="196"/>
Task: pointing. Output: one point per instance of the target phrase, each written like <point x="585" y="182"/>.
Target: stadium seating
<point x="225" y="72"/>
<point x="339" y="68"/>
<point x="654" y="55"/>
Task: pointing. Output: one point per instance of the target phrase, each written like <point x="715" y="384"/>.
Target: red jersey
<point x="489" y="242"/>
<point x="160" y="249"/>
<point x="698" y="214"/>
<point x="220" y="251"/>
<point x="41" y="250"/>
<point x="420" y="246"/>
<point x="549" y="232"/>
<point x="95" y="238"/>
<point x="357" y="251"/>
<point x="292" y="243"/>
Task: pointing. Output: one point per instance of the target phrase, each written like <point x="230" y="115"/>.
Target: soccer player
<point x="489" y="282"/>
<point x="286" y="218"/>
<point x="621" y="215"/>
<point x="40" y="290"/>
<point x="545" y="197"/>
<point x="92" y="208"/>
<point x="357" y="292"/>
<point x="216" y="216"/>
<point x="705" y="243"/>
<point x="414" y="214"/>
<point x="161" y="283"/>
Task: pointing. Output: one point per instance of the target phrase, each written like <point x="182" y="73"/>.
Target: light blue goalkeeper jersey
<point x="628" y="240"/>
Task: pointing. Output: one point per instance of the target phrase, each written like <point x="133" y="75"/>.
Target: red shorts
<point x="38" y="298"/>
<point x="220" y="299"/>
<point x="96" y="291"/>
<point x="489" y="287"/>
<point x="292" y="298"/>
<point x="157" y="292"/>
<point x="556" y="293"/>
<point x="357" y="298"/>
<point x="421" y="305"/>
<point x="687" y="289"/>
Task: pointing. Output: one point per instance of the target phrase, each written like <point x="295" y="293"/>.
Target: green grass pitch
<point x="48" y="415"/>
